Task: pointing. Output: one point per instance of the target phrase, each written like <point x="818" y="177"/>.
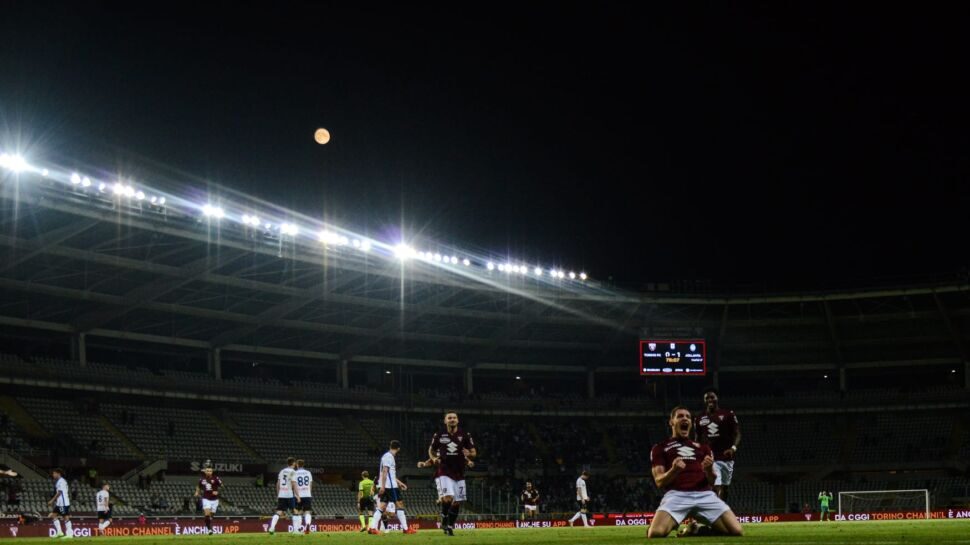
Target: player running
<point x="208" y="487"/>
<point x="286" y="494"/>
<point x="389" y="490"/>
<point x="530" y="501"/>
<point x="103" y="502"/>
<point x="451" y="451"/>
<point x="304" y="487"/>
<point x="582" y="500"/>
<point x="719" y="428"/>
<point x="684" y="469"/>
<point x="60" y="504"/>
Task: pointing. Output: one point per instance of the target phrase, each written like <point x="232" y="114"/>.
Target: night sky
<point x="812" y="146"/>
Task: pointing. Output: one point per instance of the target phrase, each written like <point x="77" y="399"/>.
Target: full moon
<point x="322" y="136"/>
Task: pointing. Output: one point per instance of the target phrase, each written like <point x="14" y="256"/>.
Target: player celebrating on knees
<point x="582" y="500"/>
<point x="304" y="487"/>
<point x="209" y="488"/>
<point x="103" y="502"/>
<point x="719" y="428"/>
<point x="684" y="469"/>
<point x="285" y="494"/>
<point x="452" y="450"/>
<point x="389" y="489"/>
<point x="60" y="504"/>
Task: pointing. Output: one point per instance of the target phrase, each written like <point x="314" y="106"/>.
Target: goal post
<point x="861" y="501"/>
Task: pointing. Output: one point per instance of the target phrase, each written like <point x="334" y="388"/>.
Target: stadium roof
<point x="78" y="260"/>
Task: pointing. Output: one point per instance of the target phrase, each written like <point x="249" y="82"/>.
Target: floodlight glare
<point x="365" y="246"/>
<point x="572" y="275"/>
<point x="454" y="260"/>
<point x="129" y="191"/>
<point x="437" y="257"/>
<point x="213" y="211"/>
<point x="154" y="199"/>
<point x="538" y="271"/>
<point x="14" y="163"/>
<point x="490" y="266"/>
<point x="343" y="241"/>
<point x="140" y="195"/>
<point x="402" y="251"/>
<point x="356" y="243"/>
<point x="75" y="178"/>
<point x="466" y="262"/>
<point x="161" y="200"/>
<point x="117" y="189"/>
<point x="102" y="186"/>
<point x="86" y="182"/>
<point x="45" y="172"/>
<point x="582" y="276"/>
<point x="500" y="267"/>
<point x="562" y="274"/>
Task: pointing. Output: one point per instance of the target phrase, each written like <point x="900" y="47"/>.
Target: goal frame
<point x="925" y="491"/>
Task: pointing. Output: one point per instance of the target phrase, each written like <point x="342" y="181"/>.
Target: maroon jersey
<point x="717" y="430"/>
<point x="448" y="448"/>
<point x="210" y="486"/>
<point x="692" y="477"/>
<point x="530" y="497"/>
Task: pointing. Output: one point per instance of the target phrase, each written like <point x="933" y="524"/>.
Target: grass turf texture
<point x="934" y="532"/>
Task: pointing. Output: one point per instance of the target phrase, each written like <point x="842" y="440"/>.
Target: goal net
<point x="885" y="500"/>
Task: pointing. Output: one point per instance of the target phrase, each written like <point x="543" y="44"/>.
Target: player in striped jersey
<point x="304" y="489"/>
<point x="103" y="502"/>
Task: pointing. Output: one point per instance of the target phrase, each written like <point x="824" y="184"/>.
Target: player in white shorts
<point x="285" y="495"/>
<point x="582" y="500"/>
<point x="684" y="469"/>
<point x="103" y="502"/>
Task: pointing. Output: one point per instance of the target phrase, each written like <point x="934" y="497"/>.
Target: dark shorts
<point x="104" y="515"/>
<point x="305" y="504"/>
<point x="582" y="505"/>
<point x="391" y="494"/>
<point x="365" y="504"/>
<point x="285" y="504"/>
<point x="61" y="511"/>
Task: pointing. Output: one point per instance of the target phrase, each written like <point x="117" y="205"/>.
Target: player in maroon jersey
<point x="208" y="487"/>
<point x="684" y="469"/>
<point x="719" y="428"/>
<point x="452" y="450"/>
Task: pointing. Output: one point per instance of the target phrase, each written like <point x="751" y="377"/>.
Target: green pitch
<point x="936" y="532"/>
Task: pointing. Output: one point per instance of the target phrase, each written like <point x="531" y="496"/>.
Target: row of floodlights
<point x="16" y="163"/>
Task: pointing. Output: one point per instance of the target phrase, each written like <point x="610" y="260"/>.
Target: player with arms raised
<point x="451" y="450"/>
<point x="208" y="487"/>
<point x="719" y="428"/>
<point x="684" y="469"/>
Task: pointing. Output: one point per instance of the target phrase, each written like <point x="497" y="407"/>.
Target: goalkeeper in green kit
<point x="823" y="500"/>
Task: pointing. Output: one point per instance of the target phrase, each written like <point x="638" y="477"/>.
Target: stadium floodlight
<point x="161" y="200"/>
<point x="466" y="262"/>
<point x="490" y="266"/>
<point x="402" y="251"/>
<point x="365" y="245"/>
<point x="213" y="211"/>
<point x="130" y="192"/>
<point x="154" y="199"/>
<point x="454" y="260"/>
<point x="75" y="178"/>
<point x="102" y="187"/>
<point x="572" y="275"/>
<point x="289" y="229"/>
<point x="117" y="188"/>
<point x="14" y="163"/>
<point x="356" y="243"/>
<point x="387" y="372"/>
<point x="501" y="267"/>
<point x="85" y="182"/>
<point x="437" y="257"/>
<point x="508" y="268"/>
<point x="517" y="377"/>
<point x="538" y="271"/>
<point x="523" y="270"/>
<point x="343" y="241"/>
<point x="582" y="276"/>
<point x="45" y="173"/>
<point x="140" y="195"/>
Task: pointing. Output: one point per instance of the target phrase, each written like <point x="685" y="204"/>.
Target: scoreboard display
<point x="673" y="357"/>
